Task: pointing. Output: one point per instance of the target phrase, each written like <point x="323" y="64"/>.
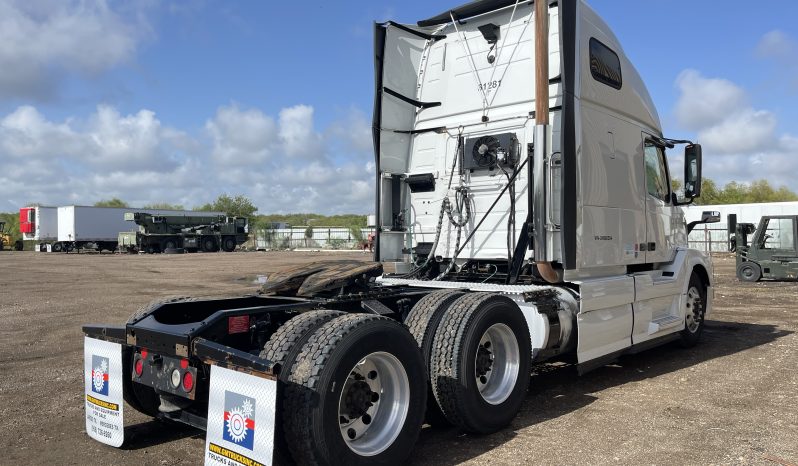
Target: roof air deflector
<point x="467" y="10"/>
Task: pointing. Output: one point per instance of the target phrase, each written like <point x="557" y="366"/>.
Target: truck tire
<point x="356" y="393"/>
<point x="422" y="322"/>
<point x="57" y="247"/>
<point x="481" y="360"/>
<point x="229" y="244"/>
<point x="283" y="348"/>
<point x="209" y="244"/>
<point x="749" y="272"/>
<point x="170" y="243"/>
<point x="695" y="304"/>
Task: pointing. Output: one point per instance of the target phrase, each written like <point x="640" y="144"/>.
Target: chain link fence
<point x="311" y="238"/>
<point x="712" y="237"/>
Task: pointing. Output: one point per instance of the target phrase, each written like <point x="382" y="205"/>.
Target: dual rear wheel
<point x="353" y="388"/>
<point x="478" y="359"/>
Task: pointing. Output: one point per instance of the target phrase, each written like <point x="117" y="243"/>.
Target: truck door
<point x="659" y="236"/>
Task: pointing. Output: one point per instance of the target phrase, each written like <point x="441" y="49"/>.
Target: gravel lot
<point x="731" y="400"/>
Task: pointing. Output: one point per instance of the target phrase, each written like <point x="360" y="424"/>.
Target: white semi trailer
<point x="523" y="195"/>
<point x="99" y="227"/>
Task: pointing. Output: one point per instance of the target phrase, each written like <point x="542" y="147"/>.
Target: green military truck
<point x="772" y="252"/>
<point x="166" y="233"/>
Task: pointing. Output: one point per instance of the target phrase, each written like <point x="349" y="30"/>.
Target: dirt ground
<point x="733" y="399"/>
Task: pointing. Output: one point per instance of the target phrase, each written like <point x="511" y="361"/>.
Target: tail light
<point x="175" y="378"/>
<point x="138" y="367"/>
<point x="188" y="381"/>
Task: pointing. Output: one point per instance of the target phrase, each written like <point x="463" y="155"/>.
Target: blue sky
<point x="179" y="101"/>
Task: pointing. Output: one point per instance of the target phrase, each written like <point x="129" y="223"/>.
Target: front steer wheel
<point x="356" y="394"/>
<point x="695" y="308"/>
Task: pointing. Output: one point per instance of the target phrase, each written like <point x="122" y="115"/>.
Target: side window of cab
<point x="657" y="182"/>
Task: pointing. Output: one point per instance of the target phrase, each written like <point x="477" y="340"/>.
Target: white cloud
<point x="705" y="101"/>
<point x="26" y="133"/>
<point x="777" y="44"/>
<point x="296" y="132"/>
<point x="130" y="142"/>
<point x="355" y="130"/>
<point x="782" y="51"/>
<point x="107" y="140"/>
<point x="42" y="40"/>
<point x="242" y="136"/>
<point x="741" y="143"/>
<point x="282" y="164"/>
<point x="742" y="131"/>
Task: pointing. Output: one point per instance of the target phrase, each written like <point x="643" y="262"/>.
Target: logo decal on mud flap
<point x="99" y="375"/>
<point x="239" y="419"/>
<point x="102" y="391"/>
<point x="240" y="403"/>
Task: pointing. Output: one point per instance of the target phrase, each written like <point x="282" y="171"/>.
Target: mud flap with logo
<point x="240" y="418"/>
<point x="102" y="374"/>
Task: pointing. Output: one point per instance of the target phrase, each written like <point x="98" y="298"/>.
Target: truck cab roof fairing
<point x="468" y="10"/>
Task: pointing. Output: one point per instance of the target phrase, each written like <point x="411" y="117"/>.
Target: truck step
<point x="662" y="323"/>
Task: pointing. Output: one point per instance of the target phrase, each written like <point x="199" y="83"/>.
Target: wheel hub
<point x="496" y="363"/>
<point x="373" y="404"/>
<point x="693" y="314"/>
<point x="358" y="399"/>
<point x="484" y="359"/>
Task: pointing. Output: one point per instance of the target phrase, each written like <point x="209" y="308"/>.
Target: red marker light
<point x="138" y="367"/>
<point x="144" y="353"/>
<point x="188" y="381"/>
<point x="183" y="363"/>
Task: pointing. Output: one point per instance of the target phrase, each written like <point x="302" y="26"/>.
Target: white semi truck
<point x="524" y="199"/>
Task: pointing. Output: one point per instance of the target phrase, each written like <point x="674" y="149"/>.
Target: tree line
<point x="239" y="205"/>
<point x="734" y="192"/>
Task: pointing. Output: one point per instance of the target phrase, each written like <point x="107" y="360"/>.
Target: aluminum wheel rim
<point x="693" y="314"/>
<point x="383" y="417"/>
<point x="497" y="381"/>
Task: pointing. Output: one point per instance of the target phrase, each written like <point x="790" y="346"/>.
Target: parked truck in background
<point x="99" y="227"/>
<point x="157" y="233"/>
<point x="39" y="224"/>
<point x="522" y="193"/>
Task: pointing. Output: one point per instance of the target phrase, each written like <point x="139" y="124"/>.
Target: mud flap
<point x="240" y="418"/>
<point x="102" y="374"/>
